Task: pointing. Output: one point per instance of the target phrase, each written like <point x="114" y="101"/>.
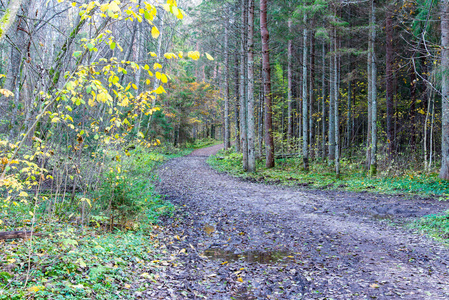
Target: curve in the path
<point x="337" y="249"/>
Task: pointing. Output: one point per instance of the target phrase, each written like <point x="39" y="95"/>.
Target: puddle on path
<point x="382" y="217"/>
<point x="267" y="257"/>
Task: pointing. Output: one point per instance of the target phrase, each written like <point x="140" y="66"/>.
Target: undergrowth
<point x="94" y="246"/>
<point x="289" y="171"/>
<point x="437" y="226"/>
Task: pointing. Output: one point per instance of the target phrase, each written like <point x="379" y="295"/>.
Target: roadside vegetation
<point x="93" y="243"/>
<point x="354" y="177"/>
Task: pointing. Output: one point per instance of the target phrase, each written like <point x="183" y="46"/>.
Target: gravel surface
<point x="234" y="239"/>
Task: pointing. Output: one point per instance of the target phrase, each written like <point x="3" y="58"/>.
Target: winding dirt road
<point x="241" y="240"/>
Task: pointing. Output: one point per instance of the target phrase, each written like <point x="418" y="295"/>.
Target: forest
<point x="223" y="149"/>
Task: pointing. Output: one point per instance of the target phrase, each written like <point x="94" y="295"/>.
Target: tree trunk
<point x="335" y="88"/>
<point x="311" y="93"/>
<point x="444" y="171"/>
<point x="269" y="143"/>
<point x="332" y="66"/>
<point x="237" y="102"/>
<point x="389" y="83"/>
<point x="373" y="162"/>
<point x="413" y="85"/>
<point x="250" y="116"/>
<point x="8" y="17"/>
<point x="227" y="129"/>
<point x="243" y="104"/>
<point x="305" y="106"/>
<point x="290" y="85"/>
<point x="323" y="103"/>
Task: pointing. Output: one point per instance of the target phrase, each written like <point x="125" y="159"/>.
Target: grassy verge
<point x="436" y="226"/>
<point x="203" y="143"/>
<point x="321" y="175"/>
<point x="79" y="256"/>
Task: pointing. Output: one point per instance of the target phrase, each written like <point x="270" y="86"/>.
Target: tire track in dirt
<point x="244" y="240"/>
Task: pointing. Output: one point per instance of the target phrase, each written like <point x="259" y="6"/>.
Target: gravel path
<point x="233" y="239"/>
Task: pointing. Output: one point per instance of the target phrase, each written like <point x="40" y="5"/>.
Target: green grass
<point x="203" y="143"/>
<point x="67" y="265"/>
<point x="436" y="226"/>
<point x="87" y="262"/>
<point x="321" y="175"/>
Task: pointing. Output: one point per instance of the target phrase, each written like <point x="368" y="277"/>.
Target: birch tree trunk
<point x="290" y="85"/>
<point x="444" y="171"/>
<point x="335" y="89"/>
<point x="269" y="143"/>
<point x="305" y="106"/>
<point x="8" y="17"/>
<point x="250" y="116"/>
<point x="373" y="161"/>
<point x="243" y="105"/>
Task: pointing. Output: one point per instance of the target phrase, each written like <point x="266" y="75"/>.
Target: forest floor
<point x="235" y="239"/>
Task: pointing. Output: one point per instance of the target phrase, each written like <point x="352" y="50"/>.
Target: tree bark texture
<point x="389" y="82"/>
<point x="444" y="171"/>
<point x="269" y="143"/>
<point x="8" y="17"/>
<point x="290" y="85"/>
<point x="250" y="113"/>
<point x="227" y="130"/>
<point x="373" y="162"/>
<point x="305" y="105"/>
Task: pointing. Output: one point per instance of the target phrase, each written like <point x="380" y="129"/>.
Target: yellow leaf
<point x="171" y="2"/>
<point x="104" y="7"/>
<point x="157" y="66"/>
<point x="114" y="7"/>
<point x="11" y="260"/>
<point x="180" y="54"/>
<point x="134" y="86"/>
<point x="6" y="93"/>
<point x="195" y="55"/>
<point x="152" y="54"/>
<point x="35" y="289"/>
<point x="166" y="7"/>
<point x="170" y="55"/>
<point x="155" y="32"/>
<point x="164" y="78"/>
<point x="240" y="279"/>
<point x="23" y="194"/>
<point x="160" y="90"/>
<point x="90" y="6"/>
<point x="55" y="120"/>
<point x="127" y="286"/>
<point x="209" y="57"/>
<point x="374" y="285"/>
<point x="102" y="97"/>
